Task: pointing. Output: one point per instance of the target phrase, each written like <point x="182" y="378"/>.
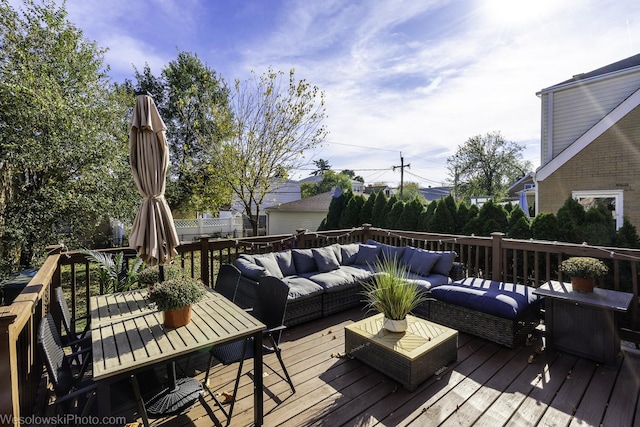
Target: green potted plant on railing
<point x="392" y="294"/>
<point x="583" y="272"/>
<point x="174" y="298"/>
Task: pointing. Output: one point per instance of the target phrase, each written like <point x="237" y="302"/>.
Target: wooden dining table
<point x="128" y="336"/>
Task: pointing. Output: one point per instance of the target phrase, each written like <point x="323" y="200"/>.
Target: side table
<point x="408" y="357"/>
<point x="584" y="324"/>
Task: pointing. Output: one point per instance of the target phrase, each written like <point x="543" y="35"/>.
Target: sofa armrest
<point x="458" y="271"/>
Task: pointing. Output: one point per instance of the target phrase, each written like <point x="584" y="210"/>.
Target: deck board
<point x="489" y="385"/>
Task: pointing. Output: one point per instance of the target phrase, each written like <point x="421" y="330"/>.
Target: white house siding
<point x="579" y="107"/>
<point x="281" y="192"/>
<point x="287" y="222"/>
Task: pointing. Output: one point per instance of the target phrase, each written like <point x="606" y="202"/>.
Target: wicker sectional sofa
<point x="326" y="280"/>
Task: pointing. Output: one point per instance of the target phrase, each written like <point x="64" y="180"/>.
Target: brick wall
<point x="611" y="162"/>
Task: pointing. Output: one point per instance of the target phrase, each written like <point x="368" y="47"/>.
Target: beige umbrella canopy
<point x="153" y="234"/>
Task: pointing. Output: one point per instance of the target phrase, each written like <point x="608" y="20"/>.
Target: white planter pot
<point x="395" y="325"/>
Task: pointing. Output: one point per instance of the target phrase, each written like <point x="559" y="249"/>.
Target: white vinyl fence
<point x="193" y="229"/>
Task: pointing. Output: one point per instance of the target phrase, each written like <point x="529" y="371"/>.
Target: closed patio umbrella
<point x="153" y="234"/>
<point x="524" y="205"/>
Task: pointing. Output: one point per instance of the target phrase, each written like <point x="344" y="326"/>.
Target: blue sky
<point x="417" y="77"/>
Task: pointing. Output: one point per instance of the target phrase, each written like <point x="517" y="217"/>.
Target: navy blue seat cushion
<point x="506" y="300"/>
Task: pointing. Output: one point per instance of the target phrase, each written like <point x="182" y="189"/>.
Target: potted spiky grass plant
<point x="391" y="293"/>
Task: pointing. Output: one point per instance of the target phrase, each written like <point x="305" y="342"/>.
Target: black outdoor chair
<point x="227" y="281"/>
<point x="270" y="307"/>
<point x="76" y="340"/>
<point x="70" y="388"/>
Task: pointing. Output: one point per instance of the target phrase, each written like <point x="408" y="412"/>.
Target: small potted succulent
<point x="583" y="272"/>
<point x="392" y="294"/>
<point x="174" y="298"/>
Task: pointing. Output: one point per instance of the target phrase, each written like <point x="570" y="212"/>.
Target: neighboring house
<point x="370" y="189"/>
<point x="306" y="213"/>
<point x="590" y="141"/>
<point x="526" y="184"/>
<point x="435" y="193"/>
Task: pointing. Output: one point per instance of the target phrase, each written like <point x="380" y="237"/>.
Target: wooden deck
<point x="489" y="385"/>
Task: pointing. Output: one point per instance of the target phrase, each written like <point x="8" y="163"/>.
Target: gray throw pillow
<point x="444" y="264"/>
<point x="423" y="261"/>
<point x="250" y="269"/>
<point x="367" y="255"/>
<point x="285" y="262"/>
<point x="325" y="259"/>
<point x="268" y="261"/>
<point x="407" y="255"/>
<point x="349" y="253"/>
<point x="303" y="260"/>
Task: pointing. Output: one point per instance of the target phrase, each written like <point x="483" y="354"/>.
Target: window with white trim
<point x="612" y="199"/>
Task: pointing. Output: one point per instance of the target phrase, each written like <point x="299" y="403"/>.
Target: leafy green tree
<point x="366" y="213"/>
<point x="330" y="180"/>
<point x="485" y="165"/>
<point x="410" y="191"/>
<point x="472" y="215"/>
<point x="377" y="216"/>
<point x="194" y="104"/>
<point x="351" y="212"/>
<point x="63" y="135"/>
<point x="275" y="121"/>
<point x="462" y="217"/>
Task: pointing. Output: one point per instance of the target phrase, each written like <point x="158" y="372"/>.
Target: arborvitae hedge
<point x="594" y="226"/>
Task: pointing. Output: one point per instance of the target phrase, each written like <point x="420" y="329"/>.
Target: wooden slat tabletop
<point x="127" y="334"/>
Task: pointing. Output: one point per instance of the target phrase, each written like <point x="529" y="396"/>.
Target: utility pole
<point x="402" y="166"/>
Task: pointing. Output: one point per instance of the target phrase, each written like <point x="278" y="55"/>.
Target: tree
<point x="410" y="191"/>
<point x="351" y="212"/>
<point x="486" y="166"/>
<point x="63" y="135"/>
<point x="442" y="220"/>
<point x="377" y="215"/>
<point x="194" y="104"/>
<point x="322" y="165"/>
<point x="329" y="181"/>
<point x="366" y="213"/>
<point x="274" y="123"/>
<point x="410" y="214"/>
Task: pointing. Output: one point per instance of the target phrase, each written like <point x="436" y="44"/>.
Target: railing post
<point x="204" y="260"/>
<point x="365" y="232"/>
<point x="9" y="396"/>
<point x="496" y="255"/>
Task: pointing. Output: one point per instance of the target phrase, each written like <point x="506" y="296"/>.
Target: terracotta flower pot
<point x="178" y="317"/>
<point x="395" y="325"/>
<point x="582" y="284"/>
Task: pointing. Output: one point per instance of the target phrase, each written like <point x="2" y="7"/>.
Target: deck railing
<point x="494" y="257"/>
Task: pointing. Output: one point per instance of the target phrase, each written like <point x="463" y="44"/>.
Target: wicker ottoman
<point x="409" y="357"/>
